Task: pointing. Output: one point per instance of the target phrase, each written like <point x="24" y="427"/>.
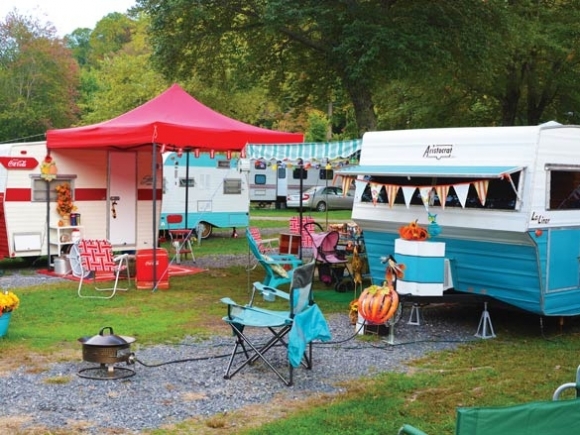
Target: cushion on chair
<point x="276" y="267"/>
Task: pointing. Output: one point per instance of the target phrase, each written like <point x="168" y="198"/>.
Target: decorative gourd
<point x="377" y="304"/>
<point x="413" y="232"/>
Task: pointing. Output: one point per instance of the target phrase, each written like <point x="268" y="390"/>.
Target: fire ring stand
<point x="106" y="373"/>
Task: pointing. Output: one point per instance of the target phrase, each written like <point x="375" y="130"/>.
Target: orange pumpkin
<point x="378" y="304"/>
<point x="413" y="232"/>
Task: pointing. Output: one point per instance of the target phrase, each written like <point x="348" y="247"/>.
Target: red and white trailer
<point x="111" y="190"/>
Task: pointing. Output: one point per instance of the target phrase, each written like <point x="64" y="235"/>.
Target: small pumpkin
<point x="413" y="232"/>
<point x="377" y="304"/>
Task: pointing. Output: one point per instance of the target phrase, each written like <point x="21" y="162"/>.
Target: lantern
<point x="377" y="304"/>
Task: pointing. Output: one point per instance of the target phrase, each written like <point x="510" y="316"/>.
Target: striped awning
<point x="307" y="151"/>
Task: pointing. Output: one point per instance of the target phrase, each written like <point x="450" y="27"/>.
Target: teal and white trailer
<point x="207" y="191"/>
<point x="502" y="203"/>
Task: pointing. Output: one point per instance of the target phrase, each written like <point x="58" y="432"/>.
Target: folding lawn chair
<point x="97" y="258"/>
<point x="180" y="238"/>
<point x="279" y="268"/>
<point x="265" y="246"/>
<point x="294" y="329"/>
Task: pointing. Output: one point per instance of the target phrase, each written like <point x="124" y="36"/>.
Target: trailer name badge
<point x="438" y="151"/>
<point x="19" y="162"/>
<point x="539" y="218"/>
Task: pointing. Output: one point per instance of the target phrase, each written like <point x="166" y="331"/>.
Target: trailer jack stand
<point x="485" y="328"/>
<point x="415" y="317"/>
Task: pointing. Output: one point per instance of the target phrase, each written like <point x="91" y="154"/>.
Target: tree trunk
<point x="364" y="109"/>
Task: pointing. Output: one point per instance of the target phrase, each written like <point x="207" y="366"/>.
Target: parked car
<point x="321" y="198"/>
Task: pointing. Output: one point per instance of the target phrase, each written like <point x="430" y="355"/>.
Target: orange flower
<point x="64" y="202"/>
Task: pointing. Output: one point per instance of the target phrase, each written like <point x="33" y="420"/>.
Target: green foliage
<point x="38" y="79"/>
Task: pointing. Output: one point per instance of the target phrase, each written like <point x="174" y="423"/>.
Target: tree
<point x="315" y="48"/>
<point x="38" y="79"/>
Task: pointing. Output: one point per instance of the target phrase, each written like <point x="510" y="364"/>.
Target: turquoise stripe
<point x="422" y="269"/>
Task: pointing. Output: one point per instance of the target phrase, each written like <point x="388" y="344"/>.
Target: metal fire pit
<point x="107" y="350"/>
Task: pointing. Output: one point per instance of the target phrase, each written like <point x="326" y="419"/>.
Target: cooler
<point x="146" y="267"/>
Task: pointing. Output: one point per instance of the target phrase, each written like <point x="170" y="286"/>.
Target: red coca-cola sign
<point x="19" y="162"/>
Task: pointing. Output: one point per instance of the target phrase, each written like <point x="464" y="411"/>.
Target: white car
<point x="321" y="198"/>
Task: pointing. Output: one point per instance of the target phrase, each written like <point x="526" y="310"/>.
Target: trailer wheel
<point x="204" y="230"/>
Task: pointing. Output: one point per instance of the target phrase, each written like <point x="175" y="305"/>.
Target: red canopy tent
<point x="172" y="121"/>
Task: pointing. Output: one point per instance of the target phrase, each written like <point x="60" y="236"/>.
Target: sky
<point x="65" y="15"/>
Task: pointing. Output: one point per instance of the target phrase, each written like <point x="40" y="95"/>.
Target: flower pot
<point x="65" y="220"/>
<point x="4" y="322"/>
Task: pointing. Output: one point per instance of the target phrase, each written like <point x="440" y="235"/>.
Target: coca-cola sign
<point x="19" y="162"/>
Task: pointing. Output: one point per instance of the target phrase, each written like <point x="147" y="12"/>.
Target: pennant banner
<point x="481" y="189"/>
<point x="442" y="192"/>
<point x="461" y="191"/>
<point x="408" y="192"/>
<point x="391" y="190"/>
<point x="426" y="196"/>
<point x="375" y="190"/>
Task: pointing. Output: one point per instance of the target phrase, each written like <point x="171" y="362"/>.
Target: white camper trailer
<point x="502" y="205"/>
<point x="274" y="172"/>
<point x="112" y="192"/>
<point x="207" y="191"/>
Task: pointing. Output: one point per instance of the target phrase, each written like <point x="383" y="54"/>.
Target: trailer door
<point x="122" y="198"/>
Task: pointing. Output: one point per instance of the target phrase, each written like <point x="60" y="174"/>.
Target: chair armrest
<point x="269" y="290"/>
<point x="407" y="429"/>
<point x="284" y="259"/>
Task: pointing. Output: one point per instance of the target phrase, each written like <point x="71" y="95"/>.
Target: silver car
<point x="321" y="198"/>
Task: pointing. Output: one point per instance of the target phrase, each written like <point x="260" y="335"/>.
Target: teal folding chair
<point x="279" y="268"/>
<point x="295" y="329"/>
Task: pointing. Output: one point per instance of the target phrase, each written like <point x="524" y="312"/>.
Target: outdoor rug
<point x="174" y="270"/>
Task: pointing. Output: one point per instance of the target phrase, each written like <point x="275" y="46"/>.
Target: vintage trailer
<point x="502" y="205"/>
<point x="111" y="190"/>
<point x="206" y="190"/>
<point x="273" y="170"/>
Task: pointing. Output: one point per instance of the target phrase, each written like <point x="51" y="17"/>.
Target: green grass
<point x="524" y="363"/>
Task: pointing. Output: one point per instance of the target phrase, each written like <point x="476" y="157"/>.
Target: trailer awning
<point x="307" y="151"/>
<point x="430" y="171"/>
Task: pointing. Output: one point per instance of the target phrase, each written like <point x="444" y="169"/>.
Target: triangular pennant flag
<point x="408" y="192"/>
<point x="360" y="185"/>
<point x="461" y="190"/>
<point x="442" y="192"/>
<point x="392" y="190"/>
<point x="375" y="190"/>
<point x="481" y="189"/>
<point x="346" y="182"/>
<point x="426" y="196"/>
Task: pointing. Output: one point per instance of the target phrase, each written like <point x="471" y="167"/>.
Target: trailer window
<point x="232" y="186"/>
<point x="39" y="188"/>
<point x="223" y="164"/>
<point x="500" y="192"/>
<point x="326" y="174"/>
<point x="187" y="182"/>
<point x="260" y="179"/>
<point x="564" y="189"/>
<point x="299" y="173"/>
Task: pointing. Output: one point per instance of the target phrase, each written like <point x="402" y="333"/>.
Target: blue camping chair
<point x="279" y="268"/>
<point x="294" y="329"/>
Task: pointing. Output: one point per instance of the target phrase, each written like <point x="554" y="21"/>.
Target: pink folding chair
<point x="97" y="258"/>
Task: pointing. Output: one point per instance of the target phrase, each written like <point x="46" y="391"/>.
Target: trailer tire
<point x="204" y="230"/>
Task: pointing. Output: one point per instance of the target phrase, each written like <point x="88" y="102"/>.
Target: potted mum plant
<point x="64" y="203"/>
<point x="8" y="303"/>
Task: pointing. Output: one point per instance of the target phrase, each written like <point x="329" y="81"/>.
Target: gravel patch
<point x="173" y="383"/>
